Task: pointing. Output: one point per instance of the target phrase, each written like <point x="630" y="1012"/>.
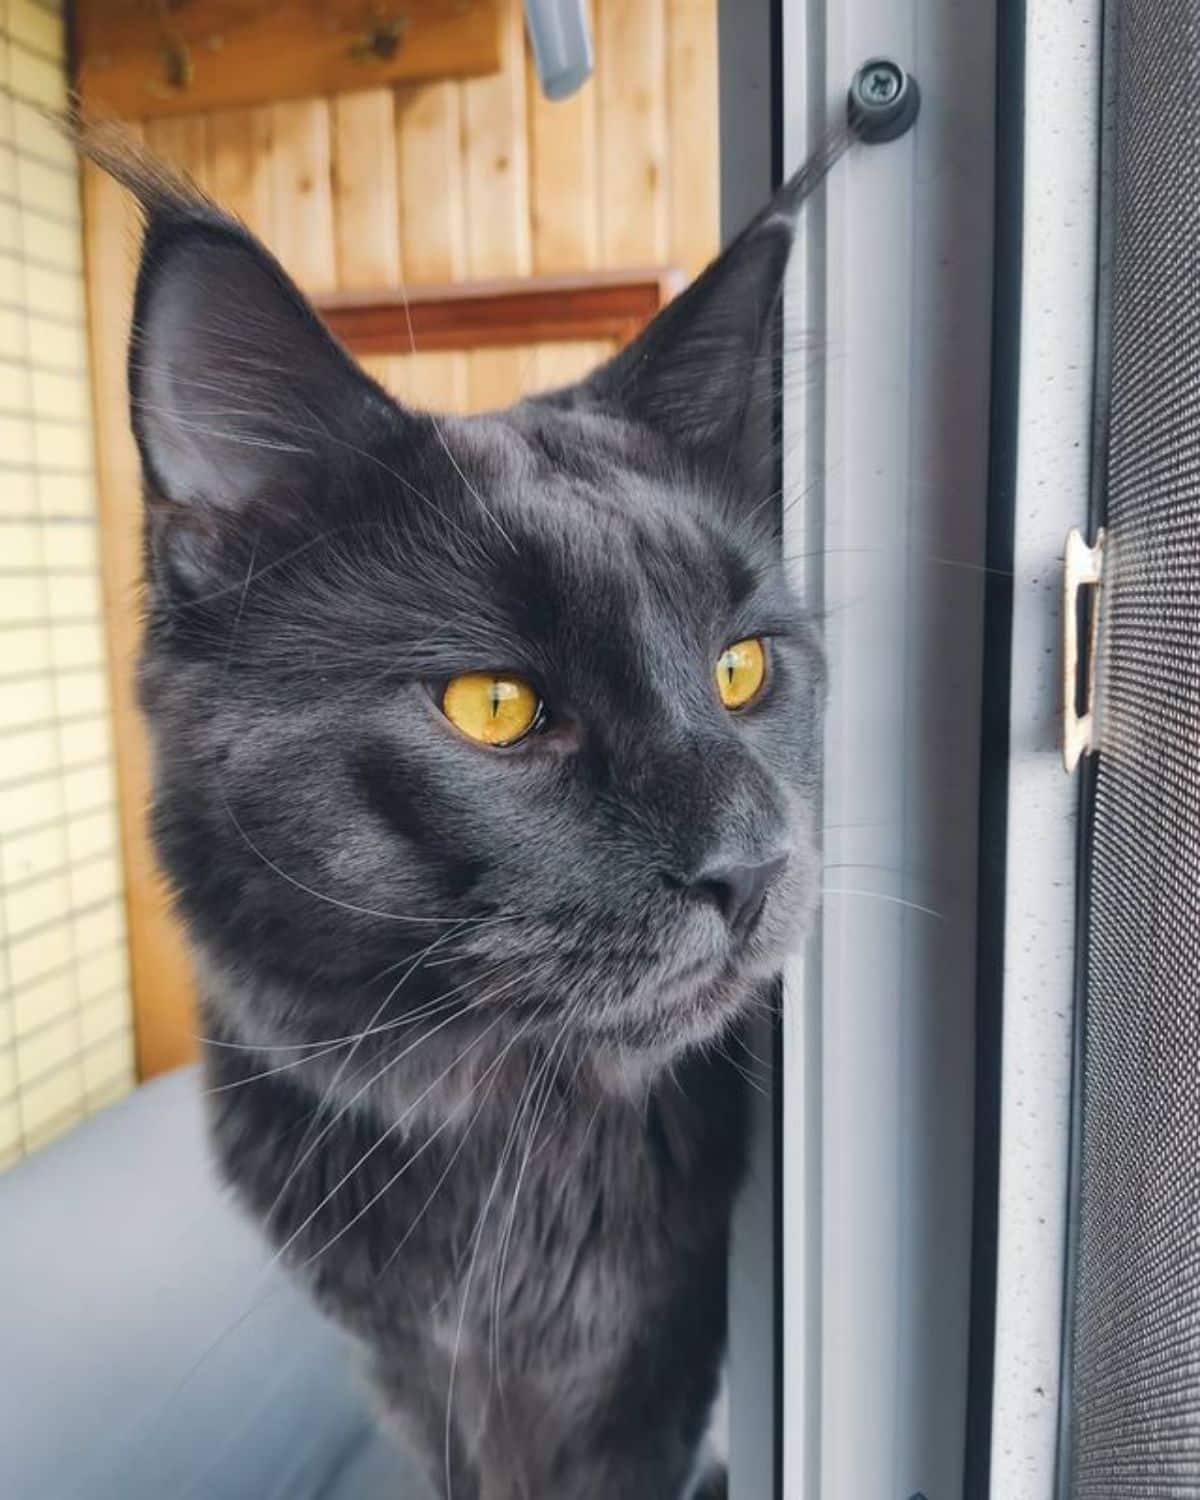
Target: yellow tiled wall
<point x="65" y="1026"/>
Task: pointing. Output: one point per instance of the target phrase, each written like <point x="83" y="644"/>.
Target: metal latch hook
<point x="1083" y="567"/>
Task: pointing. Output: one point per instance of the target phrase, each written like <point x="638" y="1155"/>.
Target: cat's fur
<point x="472" y="1012"/>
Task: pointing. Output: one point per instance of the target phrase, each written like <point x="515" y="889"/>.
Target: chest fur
<point x="549" y="1224"/>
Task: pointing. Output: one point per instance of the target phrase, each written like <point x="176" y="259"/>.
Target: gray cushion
<point x="147" y="1350"/>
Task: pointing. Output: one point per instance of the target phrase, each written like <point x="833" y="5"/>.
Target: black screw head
<point x="883" y="101"/>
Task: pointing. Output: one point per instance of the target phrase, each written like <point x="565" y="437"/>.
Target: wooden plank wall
<point x="425" y="184"/>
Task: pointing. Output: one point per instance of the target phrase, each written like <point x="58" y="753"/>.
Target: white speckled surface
<point x="1062" y="142"/>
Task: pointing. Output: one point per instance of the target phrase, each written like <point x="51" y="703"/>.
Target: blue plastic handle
<point x="562" y="45"/>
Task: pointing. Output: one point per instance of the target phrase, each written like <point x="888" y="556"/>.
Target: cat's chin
<point x="682" y="1015"/>
<point x="627" y="1062"/>
<point x="695" y="1006"/>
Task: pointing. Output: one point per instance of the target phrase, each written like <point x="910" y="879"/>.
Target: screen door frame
<point x="886" y="426"/>
<point x="816" y="1414"/>
<point x="1052" y="301"/>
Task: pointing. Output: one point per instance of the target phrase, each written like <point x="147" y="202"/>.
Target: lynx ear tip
<point x="162" y="192"/>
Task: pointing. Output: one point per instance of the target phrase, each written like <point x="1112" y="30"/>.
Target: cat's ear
<point x="239" y="396"/>
<point x="235" y="385"/>
<point x="693" y="372"/>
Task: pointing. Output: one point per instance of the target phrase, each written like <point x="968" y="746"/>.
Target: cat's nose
<point x="738" y="891"/>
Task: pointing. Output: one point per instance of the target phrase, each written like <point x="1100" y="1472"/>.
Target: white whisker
<point x="396" y="1124"/>
<point x="306" y="1152"/>
<point x="893" y="900"/>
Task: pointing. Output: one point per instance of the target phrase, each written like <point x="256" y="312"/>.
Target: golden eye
<point x="741" y="672"/>
<point x="490" y="707"/>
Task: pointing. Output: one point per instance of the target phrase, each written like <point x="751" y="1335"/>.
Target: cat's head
<point x="347" y="600"/>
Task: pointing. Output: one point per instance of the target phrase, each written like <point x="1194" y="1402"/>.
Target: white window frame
<point x="886" y="428"/>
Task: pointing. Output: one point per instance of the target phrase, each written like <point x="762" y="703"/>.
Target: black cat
<point x="485" y="776"/>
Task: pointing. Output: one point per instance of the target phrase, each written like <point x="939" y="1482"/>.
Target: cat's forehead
<point x="632" y="542"/>
<point x="598" y="494"/>
<point x="565" y="549"/>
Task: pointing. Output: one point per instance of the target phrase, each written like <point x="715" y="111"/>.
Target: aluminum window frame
<point x="878" y="1048"/>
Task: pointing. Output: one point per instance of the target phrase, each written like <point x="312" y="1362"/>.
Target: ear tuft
<point x="162" y="193"/>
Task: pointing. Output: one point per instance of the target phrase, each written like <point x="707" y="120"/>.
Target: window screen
<point x="1135" y="1397"/>
<point x="65" y="1040"/>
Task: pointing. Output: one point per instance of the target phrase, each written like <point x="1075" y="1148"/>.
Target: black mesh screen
<point x="1135" y="1398"/>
